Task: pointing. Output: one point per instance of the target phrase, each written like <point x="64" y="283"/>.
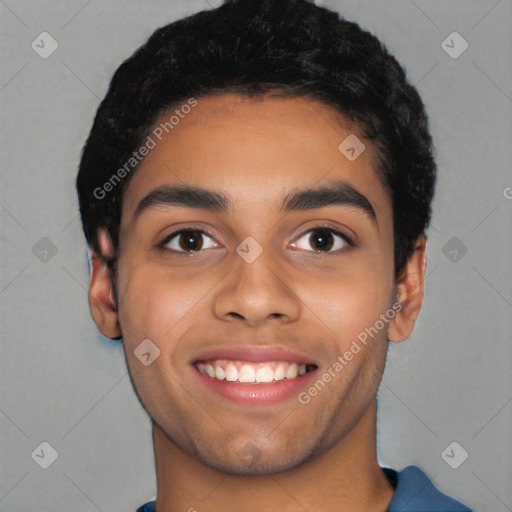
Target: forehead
<point x="256" y="150"/>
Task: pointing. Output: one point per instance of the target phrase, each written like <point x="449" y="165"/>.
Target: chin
<point x="253" y="461"/>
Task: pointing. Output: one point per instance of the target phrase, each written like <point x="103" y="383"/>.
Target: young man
<point x="255" y="192"/>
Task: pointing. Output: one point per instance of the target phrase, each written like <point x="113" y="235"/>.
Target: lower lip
<point x="256" y="394"/>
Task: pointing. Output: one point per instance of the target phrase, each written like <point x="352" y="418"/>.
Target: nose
<point x="257" y="292"/>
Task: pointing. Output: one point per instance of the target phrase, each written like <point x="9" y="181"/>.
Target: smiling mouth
<point x="253" y="372"/>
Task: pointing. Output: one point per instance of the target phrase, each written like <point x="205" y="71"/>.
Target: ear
<point x="101" y="295"/>
<point x="409" y="290"/>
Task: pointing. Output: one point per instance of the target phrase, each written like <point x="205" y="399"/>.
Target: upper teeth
<point x="251" y="372"/>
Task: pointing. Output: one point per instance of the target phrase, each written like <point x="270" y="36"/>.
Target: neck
<point x="347" y="477"/>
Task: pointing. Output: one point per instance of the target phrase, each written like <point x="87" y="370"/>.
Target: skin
<point x="210" y="453"/>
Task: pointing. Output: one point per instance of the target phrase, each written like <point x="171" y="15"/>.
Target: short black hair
<point x="288" y="48"/>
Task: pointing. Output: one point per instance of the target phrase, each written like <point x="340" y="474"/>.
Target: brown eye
<point x="322" y="239"/>
<point x="188" y="240"/>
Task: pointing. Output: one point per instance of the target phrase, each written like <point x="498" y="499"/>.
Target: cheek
<point x="349" y="313"/>
<point x="161" y="308"/>
<point x="352" y="302"/>
<point x="155" y="304"/>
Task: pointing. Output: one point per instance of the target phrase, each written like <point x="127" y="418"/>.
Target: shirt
<point x="414" y="492"/>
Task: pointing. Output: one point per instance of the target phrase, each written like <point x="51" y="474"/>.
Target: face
<point x="254" y="280"/>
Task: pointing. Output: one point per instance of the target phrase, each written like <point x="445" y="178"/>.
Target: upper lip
<point x="254" y="354"/>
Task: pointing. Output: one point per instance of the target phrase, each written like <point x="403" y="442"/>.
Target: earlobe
<point x="410" y="291"/>
<point x="101" y="297"/>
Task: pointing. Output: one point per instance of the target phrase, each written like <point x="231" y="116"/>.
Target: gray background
<point x="62" y="383"/>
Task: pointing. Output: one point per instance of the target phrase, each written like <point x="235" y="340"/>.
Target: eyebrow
<point x="187" y="196"/>
<point x="334" y="193"/>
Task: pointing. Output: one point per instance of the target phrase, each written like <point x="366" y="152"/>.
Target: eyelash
<point x="162" y="245"/>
